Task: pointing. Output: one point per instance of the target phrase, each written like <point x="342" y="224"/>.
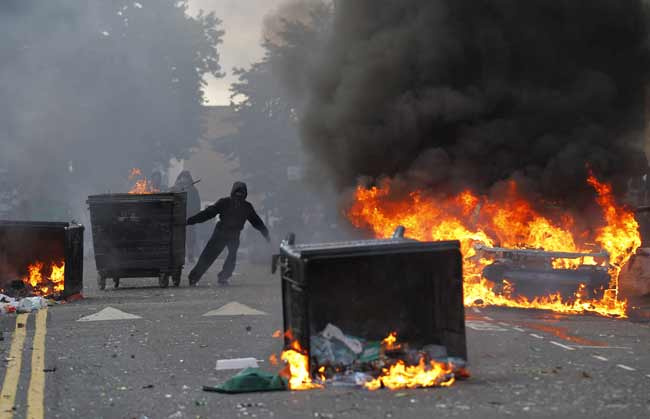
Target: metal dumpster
<point x="370" y="288"/>
<point x="138" y="236"/>
<point x="24" y="243"/>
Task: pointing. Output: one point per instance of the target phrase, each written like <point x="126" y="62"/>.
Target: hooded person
<point x="185" y="183"/>
<point x="233" y="212"/>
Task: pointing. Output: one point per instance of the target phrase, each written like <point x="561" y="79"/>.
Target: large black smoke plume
<point x="457" y="93"/>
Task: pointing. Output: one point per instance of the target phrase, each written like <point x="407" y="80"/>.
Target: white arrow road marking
<point x="109" y="313"/>
<point x="235" y="309"/>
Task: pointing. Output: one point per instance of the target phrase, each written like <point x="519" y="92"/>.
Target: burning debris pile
<point x="381" y="285"/>
<point x="44" y="282"/>
<point x="39" y="288"/>
<point x="338" y="360"/>
<point x="512" y="223"/>
<point x="40" y="260"/>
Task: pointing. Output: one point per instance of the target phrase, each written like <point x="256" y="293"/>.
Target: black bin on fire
<point x="25" y="243"/>
<point x="373" y="287"/>
<point x="139" y="236"/>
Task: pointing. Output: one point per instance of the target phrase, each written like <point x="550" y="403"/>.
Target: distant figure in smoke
<point x="233" y="213"/>
<point x="185" y="183"/>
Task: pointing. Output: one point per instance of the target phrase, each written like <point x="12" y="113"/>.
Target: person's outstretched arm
<point x="207" y="214"/>
<point x="258" y="224"/>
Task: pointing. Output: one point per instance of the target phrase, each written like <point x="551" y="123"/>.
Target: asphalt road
<point x="523" y="363"/>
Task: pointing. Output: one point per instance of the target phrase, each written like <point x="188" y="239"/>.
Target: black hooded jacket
<point x="233" y="213"/>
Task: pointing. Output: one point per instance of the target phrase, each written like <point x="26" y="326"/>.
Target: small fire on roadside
<point x="390" y="342"/>
<point x="509" y="222"/>
<point x="142" y="185"/>
<point x="297" y="368"/>
<point x="427" y="373"/>
<point x="44" y="282"/>
<point x="394" y="373"/>
<point x="402" y="376"/>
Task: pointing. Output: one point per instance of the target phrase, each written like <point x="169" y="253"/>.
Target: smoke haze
<point x="89" y="90"/>
<point x="455" y="93"/>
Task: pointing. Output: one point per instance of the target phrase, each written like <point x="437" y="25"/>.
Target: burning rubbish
<point x="343" y="341"/>
<point x="513" y="224"/>
<point x="44" y="282"/>
<point x="297" y="372"/>
<point x="41" y="259"/>
<point x="338" y="360"/>
<point x="142" y="185"/>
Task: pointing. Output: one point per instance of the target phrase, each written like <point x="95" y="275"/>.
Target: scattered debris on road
<point x="250" y="380"/>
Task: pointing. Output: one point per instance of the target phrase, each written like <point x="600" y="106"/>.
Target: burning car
<point x="530" y="272"/>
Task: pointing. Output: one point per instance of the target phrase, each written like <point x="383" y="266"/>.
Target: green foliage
<point x="100" y="87"/>
<point x="267" y="101"/>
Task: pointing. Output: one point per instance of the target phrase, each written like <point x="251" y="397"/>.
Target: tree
<point x="267" y="143"/>
<point x="92" y="89"/>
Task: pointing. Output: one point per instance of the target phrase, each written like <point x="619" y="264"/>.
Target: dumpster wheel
<point x="176" y="279"/>
<point x="116" y="282"/>
<point x="163" y="280"/>
<point x="101" y="282"/>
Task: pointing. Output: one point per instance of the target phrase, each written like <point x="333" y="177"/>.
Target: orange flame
<point x="509" y="222"/>
<point x="400" y="376"/>
<point x="44" y="285"/>
<point x="142" y="186"/>
<point x="273" y="359"/>
<point x="390" y="342"/>
<point x="298" y="372"/>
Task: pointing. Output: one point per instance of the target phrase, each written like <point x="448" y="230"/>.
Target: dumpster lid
<point x="39" y="224"/>
<point x="364" y="247"/>
<point x="129" y="198"/>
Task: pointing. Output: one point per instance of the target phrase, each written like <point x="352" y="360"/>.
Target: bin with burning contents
<point x="372" y="288"/>
<point x="138" y="236"/>
<point x="41" y="258"/>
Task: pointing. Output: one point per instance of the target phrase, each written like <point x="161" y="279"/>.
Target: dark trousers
<point x="211" y="252"/>
<point x="190" y="243"/>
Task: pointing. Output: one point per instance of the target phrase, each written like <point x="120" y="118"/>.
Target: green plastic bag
<point x="371" y="352"/>
<point x="250" y="380"/>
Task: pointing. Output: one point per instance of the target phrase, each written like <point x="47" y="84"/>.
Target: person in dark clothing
<point x="233" y="213"/>
<point x="185" y="183"/>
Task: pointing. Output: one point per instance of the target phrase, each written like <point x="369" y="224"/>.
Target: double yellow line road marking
<point x="35" y="393"/>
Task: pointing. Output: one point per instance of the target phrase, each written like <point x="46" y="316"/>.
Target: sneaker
<point x="193" y="282"/>
<point x="223" y="281"/>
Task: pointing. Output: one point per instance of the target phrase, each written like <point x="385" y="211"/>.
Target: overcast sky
<point x="242" y="21"/>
